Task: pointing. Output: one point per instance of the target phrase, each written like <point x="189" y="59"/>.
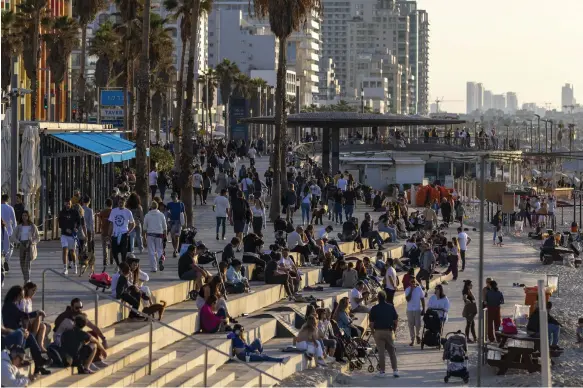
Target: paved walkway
<point x="417" y="367"/>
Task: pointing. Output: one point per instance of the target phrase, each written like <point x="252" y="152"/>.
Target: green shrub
<point x="161" y="158"/>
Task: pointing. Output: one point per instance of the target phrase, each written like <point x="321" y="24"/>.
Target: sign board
<point x="238" y="109"/>
<point x="111" y="112"/>
<point x="448" y="182"/>
<point x="111" y="97"/>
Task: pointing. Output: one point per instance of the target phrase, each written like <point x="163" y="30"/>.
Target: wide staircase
<point x="168" y="354"/>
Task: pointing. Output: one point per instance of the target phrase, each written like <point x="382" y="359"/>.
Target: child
<point x="580" y="331"/>
<point x="349" y="276"/>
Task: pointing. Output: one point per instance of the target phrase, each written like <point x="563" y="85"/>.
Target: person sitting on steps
<point x="249" y="353"/>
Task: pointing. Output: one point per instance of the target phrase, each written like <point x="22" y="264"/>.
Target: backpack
<point x="508" y="326"/>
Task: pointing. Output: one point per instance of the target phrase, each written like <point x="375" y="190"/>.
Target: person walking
<point x="26" y="235"/>
<point x="391" y="281"/>
<point x="177" y="219"/>
<point x="383" y="321"/>
<point x="153" y="181"/>
<point x="222" y="207"/>
<point x="415" y="309"/>
<point x="9" y="218"/>
<point x="122" y="223"/>
<point x="259" y="218"/>
<point x="197" y="184"/>
<point x="239" y="212"/>
<point x="155" y="227"/>
<point x="105" y="243"/>
<point x="494" y="299"/>
<point x="162" y="183"/>
<point x="306" y="204"/>
<point x="470" y="310"/>
<point x="69" y="222"/>
<point x="134" y="204"/>
<point x="463" y="240"/>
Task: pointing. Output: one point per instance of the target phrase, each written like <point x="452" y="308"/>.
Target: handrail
<point x="151" y="320"/>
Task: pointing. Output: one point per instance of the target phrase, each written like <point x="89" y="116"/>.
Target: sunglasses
<point x="77" y="308"/>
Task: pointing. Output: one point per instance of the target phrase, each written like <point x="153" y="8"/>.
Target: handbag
<point x="470" y="310"/>
<point x="508" y="326"/>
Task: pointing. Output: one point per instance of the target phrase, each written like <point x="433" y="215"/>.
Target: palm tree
<point x="285" y="17"/>
<point x="105" y="45"/>
<point x="182" y="9"/>
<point x="31" y="13"/>
<point x="61" y="41"/>
<point x="226" y="72"/>
<point x="129" y="11"/>
<point x="86" y="10"/>
<point x="143" y="130"/>
<point x="257" y="99"/>
<point x="11" y="46"/>
<point x="208" y="81"/>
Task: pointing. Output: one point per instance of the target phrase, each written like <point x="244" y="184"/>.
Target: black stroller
<point x="432" y="329"/>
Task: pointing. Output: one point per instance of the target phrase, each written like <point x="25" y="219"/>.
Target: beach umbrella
<point x="5" y="148"/>
<point x="30" y="180"/>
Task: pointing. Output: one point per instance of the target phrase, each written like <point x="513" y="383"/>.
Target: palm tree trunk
<point x="280" y="126"/>
<point x="34" y="73"/>
<point x="81" y="84"/>
<point x="157" y="108"/>
<point x="178" y="110"/>
<point x="143" y="130"/>
<point x="187" y="155"/>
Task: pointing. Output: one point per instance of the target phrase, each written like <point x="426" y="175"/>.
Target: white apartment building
<point x="499" y="102"/>
<point x="511" y="102"/>
<point x="328" y="85"/>
<point x="480" y="97"/>
<point x="487" y="100"/>
<point x="303" y="48"/>
<point x="567" y="96"/>
<point x="270" y="76"/>
<point x="471" y="97"/>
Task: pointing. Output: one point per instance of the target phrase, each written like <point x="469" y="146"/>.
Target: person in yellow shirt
<point x="76" y="198"/>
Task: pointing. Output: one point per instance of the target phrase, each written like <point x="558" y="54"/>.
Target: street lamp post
<point x="546" y="134"/>
<point x="259" y="91"/>
<point x="538" y="130"/>
<point x="551" y="121"/>
<point x="361" y="100"/>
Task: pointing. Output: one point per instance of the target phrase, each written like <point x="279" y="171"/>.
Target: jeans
<point x="338" y="212"/>
<point x="348" y="210"/>
<point x="390" y="231"/>
<point x="136" y="238"/>
<point x="256" y="357"/>
<point x="374" y="237"/>
<point x="223" y="221"/>
<point x="305" y="212"/>
<point x="554" y="331"/>
<point x="162" y="191"/>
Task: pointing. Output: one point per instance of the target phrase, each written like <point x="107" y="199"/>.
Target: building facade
<point x="499" y="102"/>
<point x="480" y="97"/>
<point x="511" y="102"/>
<point x="567" y="96"/>
<point x="487" y="104"/>
<point x="471" y="97"/>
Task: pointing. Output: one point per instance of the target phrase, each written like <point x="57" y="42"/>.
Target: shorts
<point x="175" y="228"/>
<point x="68" y="242"/>
<point x="239" y="226"/>
<point x="197" y="190"/>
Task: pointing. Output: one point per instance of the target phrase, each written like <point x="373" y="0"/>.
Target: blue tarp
<point x="109" y="146"/>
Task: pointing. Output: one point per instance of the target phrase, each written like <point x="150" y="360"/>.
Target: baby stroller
<point x="455" y="353"/>
<point x="432" y="327"/>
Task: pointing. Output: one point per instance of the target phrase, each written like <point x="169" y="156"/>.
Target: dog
<point x="156" y="307"/>
<point x="87" y="260"/>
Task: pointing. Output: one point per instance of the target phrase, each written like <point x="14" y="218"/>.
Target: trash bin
<point x="531" y="296"/>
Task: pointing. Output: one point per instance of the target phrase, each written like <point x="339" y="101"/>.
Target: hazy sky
<point x="531" y="47"/>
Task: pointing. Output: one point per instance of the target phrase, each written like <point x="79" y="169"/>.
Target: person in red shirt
<point x="407" y="278"/>
<point x="211" y="322"/>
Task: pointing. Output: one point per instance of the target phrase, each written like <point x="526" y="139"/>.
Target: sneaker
<point x="395" y="373"/>
<point x="75" y="268"/>
<point x="321" y="362"/>
<point x="94" y="367"/>
<point x="65" y="271"/>
<point x="381" y="375"/>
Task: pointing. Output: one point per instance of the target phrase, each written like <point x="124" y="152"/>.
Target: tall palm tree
<point x="61" y="40"/>
<point x="106" y="46"/>
<point x="226" y="72"/>
<point x="143" y="130"/>
<point x="11" y="46"/>
<point x="129" y="11"/>
<point x="182" y="9"/>
<point x="209" y="83"/>
<point x="285" y="17"/>
<point x="31" y="13"/>
<point x="86" y="10"/>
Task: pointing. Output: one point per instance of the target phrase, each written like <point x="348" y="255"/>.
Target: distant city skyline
<point x="506" y="49"/>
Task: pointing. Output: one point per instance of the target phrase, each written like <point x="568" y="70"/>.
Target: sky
<point x="531" y="47"/>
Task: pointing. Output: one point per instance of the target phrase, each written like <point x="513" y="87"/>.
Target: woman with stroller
<point x="342" y="317"/>
<point x="439" y="302"/>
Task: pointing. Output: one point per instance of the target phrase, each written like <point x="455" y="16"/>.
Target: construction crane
<point x="438" y="101"/>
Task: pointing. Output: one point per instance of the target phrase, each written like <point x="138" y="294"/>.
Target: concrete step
<point x="137" y="370"/>
<point x="191" y="378"/>
<point x="217" y="380"/>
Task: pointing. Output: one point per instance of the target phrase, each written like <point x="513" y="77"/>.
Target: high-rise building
<point x="480" y="97"/>
<point x="328" y="85"/>
<point x="471" y="97"/>
<point x="487" y="104"/>
<point x="511" y="102"/>
<point x="499" y="102"/>
<point x="567" y="96"/>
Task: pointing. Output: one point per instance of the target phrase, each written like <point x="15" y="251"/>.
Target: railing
<point x="151" y="321"/>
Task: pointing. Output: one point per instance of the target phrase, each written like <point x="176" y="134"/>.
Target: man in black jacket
<point x="240" y="213"/>
<point x="554" y="327"/>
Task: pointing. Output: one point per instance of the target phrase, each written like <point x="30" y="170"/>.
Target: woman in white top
<point x="439" y="302"/>
<point x="306" y="205"/>
<point x="26" y="234"/>
<point x="259" y="217"/>
<point x="36" y="327"/>
<point x="138" y="277"/>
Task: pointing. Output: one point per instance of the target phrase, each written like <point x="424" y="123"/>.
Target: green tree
<point x="11" y="45"/>
<point x="208" y="82"/>
<point x="226" y="72"/>
<point x="31" y="14"/>
<point x="285" y="17"/>
<point x="106" y="46"/>
<point x="85" y="10"/>
<point x="61" y="40"/>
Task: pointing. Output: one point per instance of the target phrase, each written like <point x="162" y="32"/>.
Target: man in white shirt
<point x="197" y="185"/>
<point x="415" y="307"/>
<point x="295" y="243"/>
<point x="357" y="297"/>
<point x="9" y="218"/>
<point x="156" y="228"/>
<point x="222" y="208"/>
<point x="247" y="186"/>
<point x="464" y="240"/>
<point x="153" y="181"/>
<point x="252" y="153"/>
<point x="316" y="194"/>
<point x="391" y="281"/>
<point x="342" y="183"/>
<point x="121" y="224"/>
<point x="287" y="265"/>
